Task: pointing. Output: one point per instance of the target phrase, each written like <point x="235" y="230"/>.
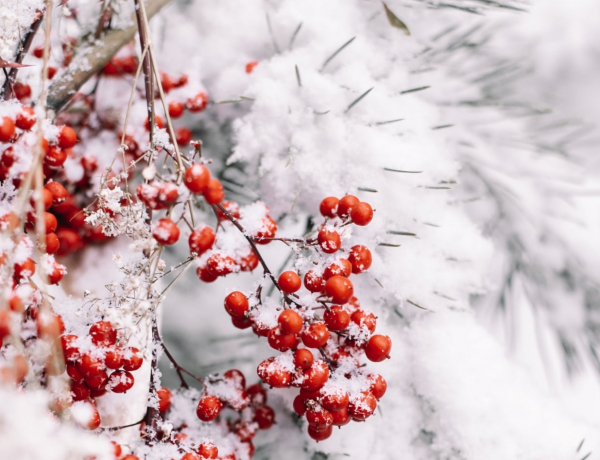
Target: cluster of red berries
<point x="99" y="365"/>
<point x="335" y="389"/>
<point x="230" y="391"/>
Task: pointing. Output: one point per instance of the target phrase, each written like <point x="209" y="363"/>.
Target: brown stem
<point x="23" y="49"/>
<point x="143" y="34"/>
<point x="104" y="19"/>
<point x="153" y="417"/>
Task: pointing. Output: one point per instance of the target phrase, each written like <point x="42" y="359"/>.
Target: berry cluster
<point x="99" y="364"/>
<point x="335" y="388"/>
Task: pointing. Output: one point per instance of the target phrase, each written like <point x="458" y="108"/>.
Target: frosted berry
<point x="314" y="282"/>
<point x="26" y="118"/>
<point x="120" y="381"/>
<point x="329" y="240"/>
<point x="165" y="231"/>
<point x="208" y="450"/>
<point x="341" y="267"/>
<point x="209" y="408"/>
<point x="201" y="240"/>
<point x="197" y="103"/>
<point x="274" y="374"/>
<point x="346" y="205"/>
<point x="103" y="334"/>
<point x="329" y="206"/>
<point x="196" y="178"/>
<point x="7" y="129"/>
<point x="132" y="359"/>
<point x="320" y="435"/>
<point x="315" y="335"/>
<point x="316" y="376"/>
<point x="279" y="341"/>
<point x="336" y="318"/>
<point x="362" y="406"/>
<point x="360" y="258"/>
<point x="378" y="385"/>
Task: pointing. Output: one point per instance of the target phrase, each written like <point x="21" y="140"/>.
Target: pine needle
<point x="358" y="99"/>
<point x="328" y="60"/>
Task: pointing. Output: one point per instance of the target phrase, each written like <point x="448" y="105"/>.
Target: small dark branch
<point x="105" y="18"/>
<point x="143" y="34"/>
<point x="153" y="417"/>
<point x="23" y="50"/>
<point x="117" y="428"/>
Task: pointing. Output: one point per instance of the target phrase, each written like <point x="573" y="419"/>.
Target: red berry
<point x="321" y="435"/>
<point x="51" y="72"/>
<point x="264" y="417"/>
<point x="208" y="450"/>
<point x="378" y="348"/>
<point x="362" y="213"/>
<point x="214" y="193"/>
<point x="365" y="318"/>
<point x="279" y="341"/>
<point x="290" y="322"/>
<point x="346" y="205"/>
<point x="221" y="265"/>
<point x="120" y="381"/>
<point x="250" y="66"/>
<point x="204" y="274"/>
<point x="70" y="351"/>
<point x="257" y="395"/>
<point x="197" y="103"/>
<point x="360" y="258"/>
<point x="362" y="406"/>
<point x="164" y="399"/>
<point x="55" y="157"/>
<point x="26" y="118"/>
<point x="341" y="417"/>
<point x="249" y="262"/>
<point x="303" y="358"/>
<point x="299" y="405"/>
<point x="289" y="282"/>
<point x="201" y="240"/>
<point x="183" y="136"/>
<point x="56" y="273"/>
<point x="90" y="366"/>
<point x="336" y="318"/>
<point x="52" y="243"/>
<point x="316" y="335"/>
<point x="165" y="231"/>
<point x="319" y="418"/>
<point x="378" y="385"/>
<point x="132" y="359"/>
<point x="268" y="230"/>
<point x="59" y="194"/>
<point x="340" y="267"/>
<point x="114" y="358"/>
<point x="67" y="137"/>
<point x="22" y="90"/>
<point x="190" y="456"/>
<point x="335" y="398"/>
<point x="70" y="241"/>
<point x="175" y="109"/>
<point x="339" y="288"/>
<point x="241" y="322"/>
<point x="158" y="121"/>
<point x="25" y="269"/>
<point x="97" y="382"/>
<point x="74" y="373"/>
<point x="231" y="207"/>
<point x="79" y="391"/>
<point x="103" y="334"/>
<point x="329" y="240"/>
<point x="7" y="129"/>
<point x="209" y="408"/>
<point x="236" y="304"/>
<point x="196" y="178"/>
<point x="237" y="377"/>
<point x="314" y="282"/>
<point x="50" y="222"/>
<point x="274" y="374"/>
<point x="329" y="206"/>
<point x="316" y="376"/>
